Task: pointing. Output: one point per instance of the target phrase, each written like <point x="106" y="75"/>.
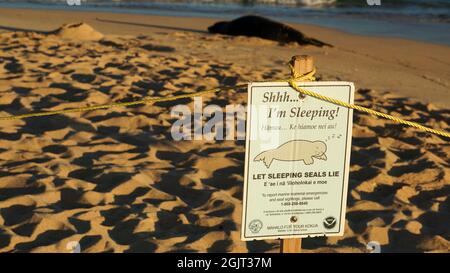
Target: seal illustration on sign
<point x="255" y="226"/>
<point x="295" y="150"/>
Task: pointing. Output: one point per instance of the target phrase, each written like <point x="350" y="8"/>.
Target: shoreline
<point x="201" y="19"/>
<point x="357" y="24"/>
<point x="400" y="66"/>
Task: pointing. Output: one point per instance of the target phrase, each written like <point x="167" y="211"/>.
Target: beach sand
<point x="115" y="181"/>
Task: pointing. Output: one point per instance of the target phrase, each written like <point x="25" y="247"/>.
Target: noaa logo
<point x="329" y="222"/>
<point x="255" y="226"/>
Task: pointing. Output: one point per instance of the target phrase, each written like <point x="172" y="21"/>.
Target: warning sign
<point x="297" y="161"/>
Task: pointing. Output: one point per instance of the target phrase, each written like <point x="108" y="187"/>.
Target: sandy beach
<point x="115" y="181"/>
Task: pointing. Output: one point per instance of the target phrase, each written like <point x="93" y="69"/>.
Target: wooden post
<point x="302" y="64"/>
<point x="291" y="245"/>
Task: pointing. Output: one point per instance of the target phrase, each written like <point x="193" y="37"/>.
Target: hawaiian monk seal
<point x="295" y="150"/>
<point x="257" y="26"/>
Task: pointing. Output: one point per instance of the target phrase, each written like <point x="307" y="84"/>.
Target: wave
<point x="306" y="3"/>
<point x="418" y="10"/>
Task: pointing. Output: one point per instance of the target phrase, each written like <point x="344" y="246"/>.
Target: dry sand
<point x="115" y="181"/>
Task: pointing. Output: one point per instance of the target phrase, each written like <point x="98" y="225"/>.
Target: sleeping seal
<point x="295" y="150"/>
<point x="257" y="26"/>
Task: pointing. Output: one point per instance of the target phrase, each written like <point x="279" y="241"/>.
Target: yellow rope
<point x="119" y="104"/>
<point x="292" y="82"/>
<point x="309" y="76"/>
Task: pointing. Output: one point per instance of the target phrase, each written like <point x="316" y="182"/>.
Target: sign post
<point x="302" y="64"/>
<point x="297" y="160"/>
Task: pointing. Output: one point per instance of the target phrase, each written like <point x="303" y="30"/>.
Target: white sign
<point x="296" y="161"/>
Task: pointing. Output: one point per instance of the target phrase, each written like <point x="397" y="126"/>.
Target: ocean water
<point x="423" y="20"/>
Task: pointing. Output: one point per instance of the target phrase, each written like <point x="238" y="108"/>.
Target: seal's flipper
<point x="267" y="157"/>
<point x="322" y="157"/>
<point x="315" y="42"/>
<point x="308" y="161"/>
